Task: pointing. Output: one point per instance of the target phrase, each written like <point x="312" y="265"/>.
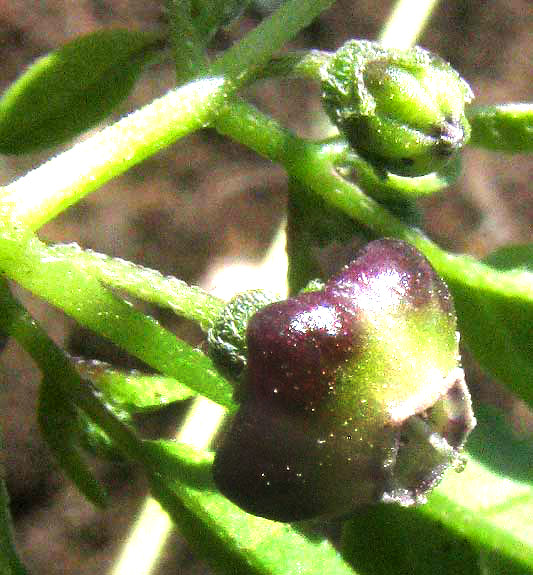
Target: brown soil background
<point x="206" y="199"/>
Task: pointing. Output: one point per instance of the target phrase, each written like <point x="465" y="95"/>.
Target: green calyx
<point x="401" y="110"/>
<point x="226" y="340"/>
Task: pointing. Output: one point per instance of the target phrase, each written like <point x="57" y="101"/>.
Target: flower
<point x="353" y="394"/>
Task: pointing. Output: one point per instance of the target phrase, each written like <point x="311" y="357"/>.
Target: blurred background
<point x="206" y="202"/>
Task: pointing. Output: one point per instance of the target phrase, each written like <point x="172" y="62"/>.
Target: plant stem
<point x="189" y="51"/>
<point x="308" y="64"/>
<point x="46" y="191"/>
<point x="256" y="49"/>
<point x="311" y="164"/>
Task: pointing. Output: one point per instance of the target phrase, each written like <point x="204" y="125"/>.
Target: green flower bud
<point x="401" y="110"/>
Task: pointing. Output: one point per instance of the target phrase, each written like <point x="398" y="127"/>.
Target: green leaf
<point x="495" y="313"/>
<point x="383" y="185"/>
<point x="385" y="539"/>
<point x="10" y="564"/>
<point x="503" y="128"/>
<point x="71" y="89"/>
<point x="133" y="391"/>
<point x="499" y="447"/>
<point x="180" y="462"/>
<point x="147" y="284"/>
<point x="517" y="257"/>
<point x="55" y="278"/>
<point x="491" y="502"/>
<point x="236" y="543"/>
<point x="95" y="440"/>
<point x="57" y="416"/>
<point x="210" y="15"/>
<point x="474" y="522"/>
<point x="58" y="421"/>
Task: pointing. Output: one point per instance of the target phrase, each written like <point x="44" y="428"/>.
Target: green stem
<point x="48" y="190"/>
<point x="308" y="64"/>
<point x="257" y="47"/>
<point x="311" y="164"/>
<point x="189" y="54"/>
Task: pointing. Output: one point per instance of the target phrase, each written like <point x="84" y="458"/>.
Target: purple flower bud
<point x="353" y="394"/>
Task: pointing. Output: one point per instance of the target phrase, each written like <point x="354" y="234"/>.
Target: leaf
<point x="58" y="421"/>
<point x="211" y="14"/>
<point x="236" y="543"/>
<point x="179" y="461"/>
<point x="10" y="564"/>
<point x="147" y="284"/>
<point x="57" y="416"/>
<point x="515" y="257"/>
<point x="73" y="88"/>
<point x="95" y="440"/>
<point x="133" y="391"/>
<point x="499" y="447"/>
<point x="504" y="128"/>
<point x="491" y="502"/>
<point x="480" y="517"/>
<point x="385" y="539"/>
<point x="495" y="313"/>
<point x="389" y="186"/>
<point x="61" y="282"/>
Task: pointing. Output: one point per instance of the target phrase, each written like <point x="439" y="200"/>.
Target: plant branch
<point x="311" y="163"/>
<point x="46" y="191"/>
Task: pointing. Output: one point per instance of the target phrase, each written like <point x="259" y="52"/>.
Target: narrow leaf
<point x="514" y="257"/>
<point x="386" y="539"/>
<point x="388" y="186"/>
<point x="10" y="564"/>
<point x="56" y="279"/>
<point x="491" y="502"/>
<point x="496" y="318"/>
<point x="236" y="543"/>
<point x="133" y="391"/>
<point x="58" y="421"/>
<point x="180" y="462"/>
<point x="504" y="128"/>
<point x="72" y="88"/>
<point x="147" y="284"/>
<point x="57" y="416"/>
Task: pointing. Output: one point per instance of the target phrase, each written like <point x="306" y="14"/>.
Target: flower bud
<point x="353" y="394"/>
<point x="401" y="110"/>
